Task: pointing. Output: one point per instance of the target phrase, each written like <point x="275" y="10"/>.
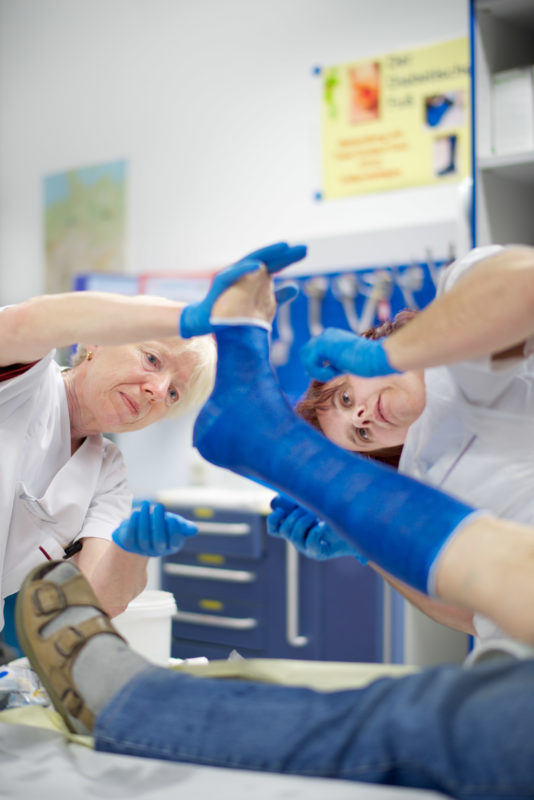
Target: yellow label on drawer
<point x="211" y="605"/>
<point x="204" y="513"/>
<point x="210" y="558"/>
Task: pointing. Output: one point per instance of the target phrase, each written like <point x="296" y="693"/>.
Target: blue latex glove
<point x="285" y="293"/>
<point x="195" y="318"/>
<point x="336" y="352"/>
<point x="310" y="536"/>
<point x="153" y="532"/>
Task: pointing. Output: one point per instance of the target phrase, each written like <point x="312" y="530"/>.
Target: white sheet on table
<point x="35" y="762"/>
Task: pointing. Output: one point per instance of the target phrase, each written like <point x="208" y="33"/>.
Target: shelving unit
<point x="503" y="36"/>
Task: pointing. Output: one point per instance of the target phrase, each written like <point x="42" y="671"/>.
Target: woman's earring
<point x="89" y="355"/>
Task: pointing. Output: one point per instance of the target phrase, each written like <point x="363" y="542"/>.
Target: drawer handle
<point x="223" y="528"/>
<point x="294" y="638"/>
<point x="210" y="573"/>
<point x="236" y="623"/>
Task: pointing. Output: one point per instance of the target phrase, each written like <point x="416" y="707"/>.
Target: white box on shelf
<point x="513" y="111"/>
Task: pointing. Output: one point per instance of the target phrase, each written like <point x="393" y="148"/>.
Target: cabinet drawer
<point x="241" y="586"/>
<point x="230" y="533"/>
<point x="220" y="622"/>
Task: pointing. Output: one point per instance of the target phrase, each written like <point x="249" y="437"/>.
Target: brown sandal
<point x="40" y="601"/>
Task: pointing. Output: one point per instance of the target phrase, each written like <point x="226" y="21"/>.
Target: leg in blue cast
<point x="248" y="426"/>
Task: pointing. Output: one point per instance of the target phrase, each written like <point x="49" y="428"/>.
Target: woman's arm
<point x="31" y="329"/>
<point x="116" y="576"/>
<point x="452" y="616"/>
<point x="491" y="309"/>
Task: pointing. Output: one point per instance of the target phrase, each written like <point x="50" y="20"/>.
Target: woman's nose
<point x="156" y="387"/>
<point x="361" y="415"/>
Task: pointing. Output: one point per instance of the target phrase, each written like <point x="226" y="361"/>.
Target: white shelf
<point x="515" y="166"/>
<point x="516" y="12"/>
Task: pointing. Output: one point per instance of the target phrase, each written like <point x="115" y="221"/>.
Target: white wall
<point x="214" y="105"/>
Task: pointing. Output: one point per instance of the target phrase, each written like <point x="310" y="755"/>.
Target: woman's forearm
<point x="31" y="329"/>
<point x="116" y="576"/>
<point x="489" y="310"/>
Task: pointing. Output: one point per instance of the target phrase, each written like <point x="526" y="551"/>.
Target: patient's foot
<point x="71" y="644"/>
<point x="252" y="298"/>
<point x="247" y="414"/>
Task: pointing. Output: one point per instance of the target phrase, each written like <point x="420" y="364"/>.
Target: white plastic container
<point x="147" y="625"/>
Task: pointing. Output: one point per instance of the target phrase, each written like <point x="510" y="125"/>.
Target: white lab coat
<point x="475" y="438"/>
<point x="49" y="498"/>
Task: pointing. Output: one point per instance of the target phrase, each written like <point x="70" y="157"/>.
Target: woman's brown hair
<point x="318" y="395"/>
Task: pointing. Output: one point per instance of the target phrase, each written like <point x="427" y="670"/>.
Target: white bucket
<point x="147" y="625"/>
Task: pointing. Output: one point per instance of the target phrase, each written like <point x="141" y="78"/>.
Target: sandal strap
<point x="68" y="640"/>
<point x="50" y="599"/>
<point x="62" y="649"/>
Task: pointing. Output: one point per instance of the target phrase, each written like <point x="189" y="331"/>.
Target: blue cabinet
<point x="236" y="587"/>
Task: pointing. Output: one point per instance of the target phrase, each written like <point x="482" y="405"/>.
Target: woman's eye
<point x="345" y="399"/>
<point x="363" y="433"/>
<point x="173" y="394"/>
<point x="151" y="358"/>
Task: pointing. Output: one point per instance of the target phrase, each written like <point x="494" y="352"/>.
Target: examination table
<point x="39" y="757"/>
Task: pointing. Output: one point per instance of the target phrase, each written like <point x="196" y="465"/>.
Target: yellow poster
<point x="397" y="121"/>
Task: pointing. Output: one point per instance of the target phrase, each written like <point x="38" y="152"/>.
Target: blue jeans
<point x="465" y="732"/>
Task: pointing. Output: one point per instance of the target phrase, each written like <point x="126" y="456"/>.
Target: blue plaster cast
<point x="248" y="426"/>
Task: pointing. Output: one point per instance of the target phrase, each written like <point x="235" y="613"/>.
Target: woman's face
<point x="127" y="387"/>
<point x="366" y="414"/>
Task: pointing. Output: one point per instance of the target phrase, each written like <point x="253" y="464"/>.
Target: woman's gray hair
<point x="200" y="384"/>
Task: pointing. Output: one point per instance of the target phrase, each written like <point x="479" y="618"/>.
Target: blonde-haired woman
<point x="63" y="486"/>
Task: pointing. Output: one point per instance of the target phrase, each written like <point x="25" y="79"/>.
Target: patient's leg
<point x="248" y="426"/>
<point x="489" y="567"/>
<point x="375" y="734"/>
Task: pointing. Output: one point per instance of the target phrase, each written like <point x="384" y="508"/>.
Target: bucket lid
<point x="153" y="603"/>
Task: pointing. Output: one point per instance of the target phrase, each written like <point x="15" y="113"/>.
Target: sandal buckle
<point x="48" y="599"/>
<point x="68" y="640"/>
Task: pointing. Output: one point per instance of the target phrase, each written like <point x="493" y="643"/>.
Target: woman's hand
<point x="337" y="352"/>
<point x="306" y="532"/>
<point x="153" y="532"/>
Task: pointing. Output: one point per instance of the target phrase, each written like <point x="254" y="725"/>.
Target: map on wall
<point x="84" y="223"/>
<point x="397" y="120"/>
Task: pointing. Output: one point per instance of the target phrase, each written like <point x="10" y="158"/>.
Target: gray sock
<point x="105" y="664"/>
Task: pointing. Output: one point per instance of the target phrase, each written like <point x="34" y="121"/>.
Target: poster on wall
<point x="84" y="223"/>
<point x="396" y="121"/>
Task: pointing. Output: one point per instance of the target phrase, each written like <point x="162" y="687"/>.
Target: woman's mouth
<point x="130" y="404"/>
<point x="379" y="411"/>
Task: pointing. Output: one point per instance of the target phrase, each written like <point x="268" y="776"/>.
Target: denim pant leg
<point x="465" y="732"/>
